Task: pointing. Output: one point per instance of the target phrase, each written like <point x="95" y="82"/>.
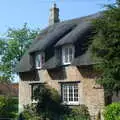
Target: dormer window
<point x="39" y="60"/>
<point x="67" y="54"/>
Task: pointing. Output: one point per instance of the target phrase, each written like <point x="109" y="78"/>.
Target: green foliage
<point x="49" y="106"/>
<point x="112" y="112"/>
<point x="12" y="47"/>
<point x="77" y="113"/>
<point x="8" y="107"/>
<point x="29" y="113"/>
<point x="106" y="47"/>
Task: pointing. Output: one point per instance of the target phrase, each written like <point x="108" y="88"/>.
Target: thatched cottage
<point x="60" y="56"/>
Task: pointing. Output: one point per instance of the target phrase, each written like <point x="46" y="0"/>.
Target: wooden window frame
<point x="67" y="57"/>
<point x="41" y="57"/>
<point x="69" y="98"/>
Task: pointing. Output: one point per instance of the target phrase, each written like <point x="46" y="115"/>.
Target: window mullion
<point x="67" y="93"/>
<point x="68" y="55"/>
<point x="63" y="54"/>
<point x="73" y="92"/>
<point x="63" y="92"/>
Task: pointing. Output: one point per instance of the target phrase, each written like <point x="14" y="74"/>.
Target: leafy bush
<point x="49" y="107"/>
<point x="8" y="107"/>
<point x="29" y="113"/>
<point x="112" y="112"/>
<point x="49" y="102"/>
<point x="77" y="113"/>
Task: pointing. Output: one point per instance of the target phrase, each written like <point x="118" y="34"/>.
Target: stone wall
<point x="24" y="94"/>
<point x="93" y="93"/>
<point x="90" y="94"/>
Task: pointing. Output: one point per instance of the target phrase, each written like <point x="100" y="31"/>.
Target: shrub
<point x="112" y="112"/>
<point x="77" y="113"/>
<point x="49" y="103"/>
<point x="8" y="107"/>
<point x="29" y="113"/>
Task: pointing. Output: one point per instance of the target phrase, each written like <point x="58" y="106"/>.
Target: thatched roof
<point x="75" y="34"/>
<point x="66" y="32"/>
<point x="58" y="32"/>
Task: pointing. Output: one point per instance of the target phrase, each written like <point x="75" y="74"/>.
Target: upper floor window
<point x="67" y="54"/>
<point x="39" y="60"/>
<point x="70" y="93"/>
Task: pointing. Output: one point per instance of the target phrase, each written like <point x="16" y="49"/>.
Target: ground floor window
<point x="33" y="88"/>
<point x="70" y="93"/>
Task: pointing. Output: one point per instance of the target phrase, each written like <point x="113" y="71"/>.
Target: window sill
<point x="66" y="63"/>
<point x="71" y="103"/>
<point x="38" y="68"/>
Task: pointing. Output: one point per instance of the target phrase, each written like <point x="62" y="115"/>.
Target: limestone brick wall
<point x="24" y="94"/>
<point x="92" y="95"/>
<point x="94" y="98"/>
<point x="68" y="74"/>
<point x="89" y="93"/>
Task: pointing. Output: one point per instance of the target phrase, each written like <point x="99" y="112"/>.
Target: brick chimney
<point x="54" y="15"/>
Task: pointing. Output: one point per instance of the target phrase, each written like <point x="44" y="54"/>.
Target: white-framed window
<point x="33" y="88"/>
<point x="39" y="60"/>
<point x="67" y="54"/>
<point x="70" y="93"/>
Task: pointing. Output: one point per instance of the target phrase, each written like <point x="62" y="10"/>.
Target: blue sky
<point x="14" y="13"/>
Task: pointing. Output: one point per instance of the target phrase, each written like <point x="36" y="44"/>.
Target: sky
<point x="14" y="13"/>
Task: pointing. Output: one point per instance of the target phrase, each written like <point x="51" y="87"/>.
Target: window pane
<point x="37" y="60"/>
<point x="70" y="51"/>
<point x="70" y="54"/>
<point x="66" y="55"/>
<point x="42" y="59"/>
<point x="70" y="93"/>
<point x="70" y="58"/>
<point x="64" y="93"/>
<point x="33" y="88"/>
<point x="75" y="93"/>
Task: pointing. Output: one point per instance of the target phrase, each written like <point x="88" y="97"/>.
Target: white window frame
<point x="41" y="61"/>
<point x="33" y="87"/>
<point x="64" y="56"/>
<point x="67" y="94"/>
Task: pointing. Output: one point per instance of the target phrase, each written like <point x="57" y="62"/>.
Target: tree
<point x="12" y="47"/>
<point x="106" y="47"/>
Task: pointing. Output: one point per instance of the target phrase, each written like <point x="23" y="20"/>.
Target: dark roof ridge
<point x="75" y="34"/>
<point x="53" y="36"/>
<point x="90" y="16"/>
<point x="51" y="27"/>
